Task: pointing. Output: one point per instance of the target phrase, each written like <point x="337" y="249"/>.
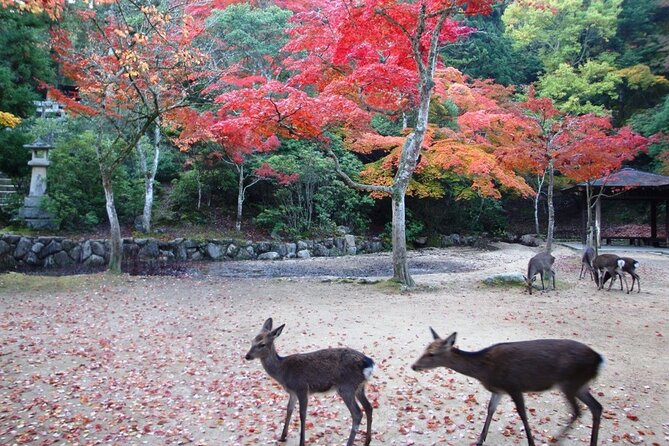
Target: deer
<point x="611" y="264"/>
<point x="341" y="369"/>
<point x="586" y="262"/>
<point x="515" y="368"/>
<point x="541" y="263"/>
<point x="629" y="267"/>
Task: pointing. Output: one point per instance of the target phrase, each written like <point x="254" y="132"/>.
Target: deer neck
<point x="468" y="363"/>
<point x="272" y="364"/>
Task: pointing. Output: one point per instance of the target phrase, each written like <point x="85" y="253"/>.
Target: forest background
<point x="253" y="119"/>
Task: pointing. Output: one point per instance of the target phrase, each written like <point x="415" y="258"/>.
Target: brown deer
<point x="586" y="262"/>
<point x="611" y="264"/>
<point x="541" y="263"/>
<point x="341" y="369"/>
<point x="518" y="367"/>
<point x="629" y="267"/>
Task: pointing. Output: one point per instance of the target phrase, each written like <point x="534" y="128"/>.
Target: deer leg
<point x="553" y="277"/>
<point x="570" y="394"/>
<point x="623" y="279"/>
<point x="635" y="276"/>
<point x="541" y="274"/>
<point x="520" y="407"/>
<point x="348" y="395"/>
<point x="289" y="413"/>
<point x="303" y="398"/>
<point x="492" y="406"/>
<point x="368" y="411"/>
<point x="596" y="409"/>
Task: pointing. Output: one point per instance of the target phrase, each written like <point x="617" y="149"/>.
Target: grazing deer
<point x="586" y="262"/>
<point x="518" y="367"/>
<point x="629" y="267"/>
<point x="342" y="369"/>
<point x="541" y="263"/>
<point x="611" y="264"/>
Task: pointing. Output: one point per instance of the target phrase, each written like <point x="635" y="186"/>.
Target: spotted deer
<point x="341" y="369"/>
<point x="515" y="368"/>
<point x="541" y="264"/>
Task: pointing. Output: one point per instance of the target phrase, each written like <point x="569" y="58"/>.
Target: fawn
<point x="341" y="369"/>
<point x="540" y="264"/>
<point x="586" y="262"/>
<point x="609" y="264"/>
<point x="518" y="367"/>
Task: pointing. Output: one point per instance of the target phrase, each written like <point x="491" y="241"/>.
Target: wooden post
<point x="653" y="222"/>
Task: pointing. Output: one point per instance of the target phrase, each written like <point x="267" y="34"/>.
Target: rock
<point x="214" y="250"/>
<point x="150" y="250"/>
<point x="505" y="279"/>
<point x="94" y="260"/>
<point x="269" y="256"/>
<point x="530" y="240"/>
<point x="22" y="247"/>
<point x="303" y="254"/>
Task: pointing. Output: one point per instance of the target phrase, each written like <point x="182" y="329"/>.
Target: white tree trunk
<point x="149" y="174"/>
<point x="116" y="255"/>
<point x="537" y="197"/>
<point x="551" y="208"/>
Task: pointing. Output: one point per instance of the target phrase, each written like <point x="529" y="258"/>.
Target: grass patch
<point x="24" y="283"/>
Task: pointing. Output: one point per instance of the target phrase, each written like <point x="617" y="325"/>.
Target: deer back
<point x="323" y="370"/>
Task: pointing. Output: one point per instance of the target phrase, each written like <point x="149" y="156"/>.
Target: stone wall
<point x="58" y="252"/>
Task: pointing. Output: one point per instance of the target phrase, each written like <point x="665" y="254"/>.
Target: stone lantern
<point x="34" y="216"/>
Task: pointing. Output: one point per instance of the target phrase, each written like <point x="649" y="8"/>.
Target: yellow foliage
<point x="9" y="120"/>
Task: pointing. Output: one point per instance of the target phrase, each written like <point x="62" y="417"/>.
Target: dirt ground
<point x="160" y="360"/>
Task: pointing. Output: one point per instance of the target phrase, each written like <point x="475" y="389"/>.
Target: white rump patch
<point x="367" y="372"/>
<point x="621" y="263"/>
<point x="636" y="264"/>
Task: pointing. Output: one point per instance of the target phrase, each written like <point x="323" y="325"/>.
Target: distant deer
<point x="611" y="264"/>
<point x="541" y="263"/>
<point x="342" y="369"/>
<point x="629" y="267"/>
<point x="519" y="367"/>
<point x="586" y="262"/>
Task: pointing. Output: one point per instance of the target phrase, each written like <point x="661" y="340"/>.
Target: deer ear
<point x="267" y="326"/>
<point x="450" y="341"/>
<point x="434" y="334"/>
<point x="277" y="331"/>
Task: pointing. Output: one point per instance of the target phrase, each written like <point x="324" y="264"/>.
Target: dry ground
<point x="159" y="360"/>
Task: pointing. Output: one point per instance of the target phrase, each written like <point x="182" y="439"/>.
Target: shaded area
<point x="366" y="265"/>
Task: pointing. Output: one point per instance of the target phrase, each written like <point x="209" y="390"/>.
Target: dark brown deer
<point x="341" y="369"/>
<point x="629" y="267"/>
<point x="611" y="264"/>
<point x="541" y="264"/>
<point x="518" y="367"/>
<point x="586" y="262"/>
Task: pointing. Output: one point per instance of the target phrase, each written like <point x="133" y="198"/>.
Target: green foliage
<point x="562" y="31"/>
<point x="490" y="54"/>
<point x="386" y="126"/>
<point x="586" y="89"/>
<point x="650" y="122"/>
<point x="317" y="201"/>
<point x="640" y="36"/>
<point x="76" y="197"/>
<point x="250" y="36"/>
<point x="24" y="61"/>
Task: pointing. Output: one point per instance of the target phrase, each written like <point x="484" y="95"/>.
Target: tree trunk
<point x="400" y="268"/>
<point x="537" y="197"/>
<point x="116" y="254"/>
<point x="551" y="209"/>
<point x="149" y="178"/>
<point x="240" y="197"/>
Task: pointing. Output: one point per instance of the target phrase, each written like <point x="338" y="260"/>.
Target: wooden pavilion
<point x="630" y="185"/>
